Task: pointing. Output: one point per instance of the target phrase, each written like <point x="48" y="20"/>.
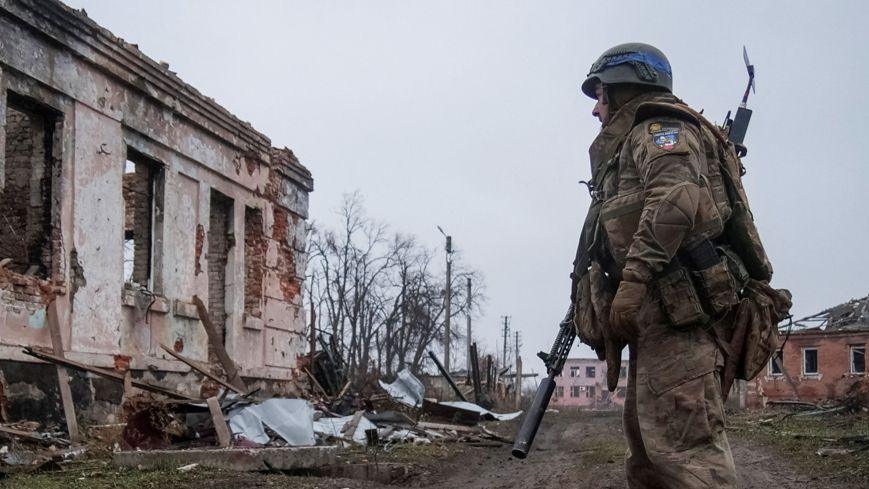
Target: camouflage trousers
<point x="674" y="412"/>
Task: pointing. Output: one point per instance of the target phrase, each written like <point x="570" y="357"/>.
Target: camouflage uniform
<point x="655" y="194"/>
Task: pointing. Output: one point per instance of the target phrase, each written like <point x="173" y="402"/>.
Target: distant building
<point x="823" y="356"/>
<point x="582" y="383"/>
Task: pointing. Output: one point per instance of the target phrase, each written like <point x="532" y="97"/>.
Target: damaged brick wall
<point x="25" y="217"/>
<point x="285" y="265"/>
<point x="255" y="246"/>
<point x="219" y="245"/>
<point x="138" y="201"/>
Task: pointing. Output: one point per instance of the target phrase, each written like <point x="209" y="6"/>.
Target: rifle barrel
<point x="531" y="423"/>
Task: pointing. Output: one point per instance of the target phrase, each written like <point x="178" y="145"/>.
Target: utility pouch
<point x="736" y="266"/>
<point x="679" y="299"/>
<point x="717" y="287"/>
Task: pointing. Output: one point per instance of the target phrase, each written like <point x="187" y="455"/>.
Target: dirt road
<point x="587" y="450"/>
<point x="573" y="450"/>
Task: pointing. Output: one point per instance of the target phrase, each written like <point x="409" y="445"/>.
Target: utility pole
<point x="469" y="327"/>
<point x="516" y="336"/>
<point x="506" y="332"/>
<point x="448" y="298"/>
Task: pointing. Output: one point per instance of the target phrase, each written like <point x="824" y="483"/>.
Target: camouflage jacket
<point x="652" y="187"/>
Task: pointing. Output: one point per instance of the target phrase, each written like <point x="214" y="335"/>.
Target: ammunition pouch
<point x="717" y="287"/>
<point x="679" y="298"/>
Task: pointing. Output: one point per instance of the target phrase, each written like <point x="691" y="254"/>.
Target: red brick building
<point x="823" y="356"/>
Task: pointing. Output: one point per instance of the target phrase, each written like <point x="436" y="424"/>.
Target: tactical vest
<point x="721" y="252"/>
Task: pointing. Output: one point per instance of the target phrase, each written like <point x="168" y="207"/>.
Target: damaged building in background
<point x="823" y="358"/>
<point x="124" y="193"/>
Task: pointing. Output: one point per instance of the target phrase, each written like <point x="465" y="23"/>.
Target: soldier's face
<point x="601" y="108"/>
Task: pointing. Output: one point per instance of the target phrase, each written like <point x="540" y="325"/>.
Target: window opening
<point x="775" y="363"/>
<point x="140" y="209"/>
<point x="26" y="187"/>
<point x="858" y="359"/>
<point x="810" y="361"/>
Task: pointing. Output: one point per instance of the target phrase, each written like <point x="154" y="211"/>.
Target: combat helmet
<point x="633" y="62"/>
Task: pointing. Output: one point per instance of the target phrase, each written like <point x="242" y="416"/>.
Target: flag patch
<point x="664" y="137"/>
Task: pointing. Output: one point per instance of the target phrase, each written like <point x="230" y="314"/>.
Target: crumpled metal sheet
<point x="406" y="389"/>
<point x="334" y="426"/>
<point x="291" y="419"/>
<point x="489" y="415"/>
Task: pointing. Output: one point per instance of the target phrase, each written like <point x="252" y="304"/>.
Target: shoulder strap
<point x="647" y="110"/>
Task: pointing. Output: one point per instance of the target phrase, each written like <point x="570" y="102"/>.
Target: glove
<point x="623" y="313"/>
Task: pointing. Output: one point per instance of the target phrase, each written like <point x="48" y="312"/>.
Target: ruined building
<point x="124" y="192"/>
<point x="823" y="356"/>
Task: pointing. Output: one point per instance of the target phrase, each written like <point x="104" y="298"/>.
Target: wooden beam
<point x="446" y="427"/>
<point x="223" y="436"/>
<point x="202" y="369"/>
<point x="349" y="429"/>
<point x="10" y="432"/>
<point x="232" y="373"/>
<point x="111" y="374"/>
<point x="317" y="384"/>
<point x="62" y="374"/>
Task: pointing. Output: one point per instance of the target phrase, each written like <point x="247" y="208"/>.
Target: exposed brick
<point x="25" y="204"/>
<point x="255" y="246"/>
<point x="290" y="286"/>
<point x="138" y="188"/>
<point x="218" y="252"/>
<point x="200" y="242"/>
<point x="834" y="376"/>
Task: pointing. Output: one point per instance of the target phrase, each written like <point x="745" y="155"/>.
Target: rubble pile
<point x="165" y="427"/>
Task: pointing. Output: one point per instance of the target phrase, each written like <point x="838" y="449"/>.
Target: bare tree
<point x="376" y="294"/>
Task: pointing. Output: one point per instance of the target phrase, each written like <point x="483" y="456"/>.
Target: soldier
<point x="663" y="277"/>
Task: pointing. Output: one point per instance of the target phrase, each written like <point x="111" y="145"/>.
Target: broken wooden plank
<point x="203" y="370"/>
<point x="62" y="374"/>
<point x="446" y="427"/>
<point x="343" y="390"/>
<point x="11" y="432"/>
<point x="223" y="436"/>
<point x="495" y="436"/>
<point x="111" y="374"/>
<point x="128" y="386"/>
<point x="316" y="384"/>
<point x="446" y="375"/>
<point x="349" y="429"/>
<point x="232" y="372"/>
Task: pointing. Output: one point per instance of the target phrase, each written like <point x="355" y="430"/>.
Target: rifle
<point x="554" y="360"/>
<point x="736" y="128"/>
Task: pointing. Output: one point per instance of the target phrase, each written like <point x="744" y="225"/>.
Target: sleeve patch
<point x="664" y="136"/>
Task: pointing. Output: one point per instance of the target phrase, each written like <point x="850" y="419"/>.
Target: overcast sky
<point x="468" y="115"/>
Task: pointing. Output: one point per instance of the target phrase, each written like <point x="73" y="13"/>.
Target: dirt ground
<point x="572" y="450"/>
